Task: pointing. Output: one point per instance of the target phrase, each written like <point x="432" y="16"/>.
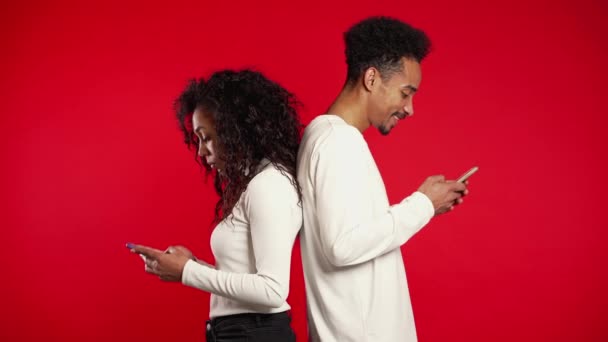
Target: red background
<point x="92" y="158"/>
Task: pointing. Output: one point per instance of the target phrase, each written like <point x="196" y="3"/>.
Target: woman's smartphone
<point x="468" y="174"/>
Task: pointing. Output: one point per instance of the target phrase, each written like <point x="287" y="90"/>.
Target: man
<point x="355" y="278"/>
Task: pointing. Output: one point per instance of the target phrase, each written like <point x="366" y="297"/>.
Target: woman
<point x="247" y="132"/>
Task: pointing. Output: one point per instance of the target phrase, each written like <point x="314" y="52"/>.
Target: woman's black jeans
<point x="251" y="327"/>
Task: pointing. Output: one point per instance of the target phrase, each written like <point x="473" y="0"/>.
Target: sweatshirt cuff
<point x="425" y="203"/>
<point x="195" y="274"/>
<point x="414" y="212"/>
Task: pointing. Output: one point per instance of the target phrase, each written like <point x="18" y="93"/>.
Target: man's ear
<point x="370" y="78"/>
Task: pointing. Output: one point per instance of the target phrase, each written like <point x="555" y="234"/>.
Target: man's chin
<point x="384" y="130"/>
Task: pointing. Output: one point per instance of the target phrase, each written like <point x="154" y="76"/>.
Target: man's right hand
<point x="444" y="194"/>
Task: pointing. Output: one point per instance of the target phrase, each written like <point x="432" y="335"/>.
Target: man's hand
<point x="444" y="194"/>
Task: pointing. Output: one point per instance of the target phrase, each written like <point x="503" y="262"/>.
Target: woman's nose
<point x="202" y="150"/>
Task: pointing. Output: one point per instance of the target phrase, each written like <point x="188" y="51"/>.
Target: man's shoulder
<point x="331" y="129"/>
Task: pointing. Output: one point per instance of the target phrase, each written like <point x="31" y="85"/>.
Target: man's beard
<point x="384" y="130"/>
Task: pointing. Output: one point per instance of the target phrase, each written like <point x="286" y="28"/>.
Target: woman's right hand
<point x="182" y="249"/>
<point x="186" y="252"/>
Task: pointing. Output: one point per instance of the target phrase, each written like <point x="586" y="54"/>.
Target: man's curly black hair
<point x="255" y="119"/>
<point x="381" y="42"/>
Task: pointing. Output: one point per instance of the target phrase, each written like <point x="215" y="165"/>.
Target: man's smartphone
<point x="468" y="174"/>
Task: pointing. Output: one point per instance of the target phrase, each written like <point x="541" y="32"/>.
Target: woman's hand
<point x="187" y="252"/>
<point x="182" y="249"/>
<point x="167" y="265"/>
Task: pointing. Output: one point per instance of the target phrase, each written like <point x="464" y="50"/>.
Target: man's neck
<point x="350" y="105"/>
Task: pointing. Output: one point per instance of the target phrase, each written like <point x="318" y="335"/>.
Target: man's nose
<point x="409" y="108"/>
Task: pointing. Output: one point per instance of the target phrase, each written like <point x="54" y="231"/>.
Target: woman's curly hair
<point x="255" y="119"/>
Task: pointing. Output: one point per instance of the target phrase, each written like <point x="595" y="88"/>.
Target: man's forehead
<point x="407" y="78"/>
<point x="410" y="74"/>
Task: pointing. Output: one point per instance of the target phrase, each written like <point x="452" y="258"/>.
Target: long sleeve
<point x="270" y="206"/>
<point x="343" y="192"/>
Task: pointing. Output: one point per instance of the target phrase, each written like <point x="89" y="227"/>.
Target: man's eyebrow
<point x="410" y="87"/>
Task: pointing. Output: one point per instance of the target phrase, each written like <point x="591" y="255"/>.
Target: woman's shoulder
<point x="269" y="173"/>
<point x="271" y="179"/>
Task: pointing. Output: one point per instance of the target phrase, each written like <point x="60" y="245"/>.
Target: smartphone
<point x="468" y="174"/>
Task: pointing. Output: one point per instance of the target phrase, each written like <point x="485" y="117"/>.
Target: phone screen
<point x="468" y="174"/>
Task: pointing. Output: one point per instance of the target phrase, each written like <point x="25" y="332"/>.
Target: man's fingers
<point x="148" y="252"/>
<point x="456" y="186"/>
<point x="437" y="178"/>
<point x="453" y="196"/>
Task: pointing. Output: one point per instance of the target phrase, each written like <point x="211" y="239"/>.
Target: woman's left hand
<point x="168" y="265"/>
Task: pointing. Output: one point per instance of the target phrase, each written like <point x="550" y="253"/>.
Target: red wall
<point x="92" y="158"/>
